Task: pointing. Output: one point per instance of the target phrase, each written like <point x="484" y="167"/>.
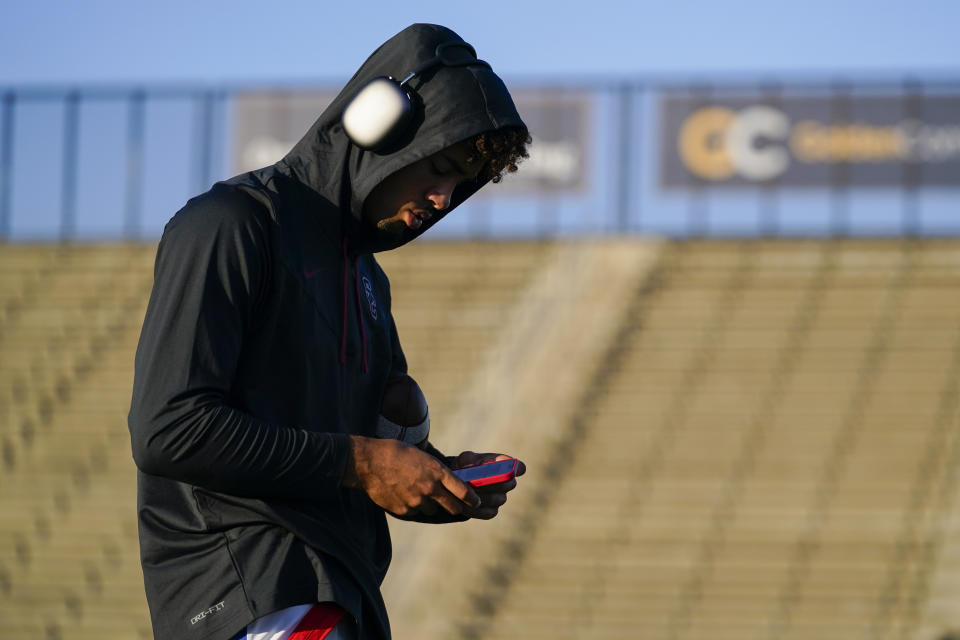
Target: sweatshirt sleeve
<point x="398" y="366"/>
<point x="212" y="265"/>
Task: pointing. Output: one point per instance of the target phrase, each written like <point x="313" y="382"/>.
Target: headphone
<point x="382" y="108"/>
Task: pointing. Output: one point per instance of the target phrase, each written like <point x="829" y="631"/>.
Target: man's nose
<point x="440" y="195"/>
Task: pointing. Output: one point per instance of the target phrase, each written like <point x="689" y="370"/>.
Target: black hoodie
<point x="267" y="340"/>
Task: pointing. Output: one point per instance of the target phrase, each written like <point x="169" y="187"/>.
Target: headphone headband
<point x="446" y="55"/>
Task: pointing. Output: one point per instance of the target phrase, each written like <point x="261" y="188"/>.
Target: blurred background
<point x="715" y="312"/>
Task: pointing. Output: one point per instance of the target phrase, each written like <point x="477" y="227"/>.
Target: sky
<point x="131" y="41"/>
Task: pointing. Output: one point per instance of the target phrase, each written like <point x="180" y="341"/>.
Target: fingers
<point x="470" y="458"/>
<point x="521" y="468"/>
<point x="467" y="459"/>
<point x="494" y="500"/>
<point x="429" y="508"/>
<point x="454" y="495"/>
<point x="490" y="506"/>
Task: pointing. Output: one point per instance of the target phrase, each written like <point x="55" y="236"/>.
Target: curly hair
<point x="501" y="150"/>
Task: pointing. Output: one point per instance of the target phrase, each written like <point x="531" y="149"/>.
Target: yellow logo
<point x="717" y="143"/>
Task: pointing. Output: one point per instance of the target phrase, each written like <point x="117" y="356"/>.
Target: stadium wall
<point x="733" y="156"/>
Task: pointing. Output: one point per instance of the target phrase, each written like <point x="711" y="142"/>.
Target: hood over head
<point x="451" y="103"/>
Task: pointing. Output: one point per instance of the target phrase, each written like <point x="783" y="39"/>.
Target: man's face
<point x="409" y="197"/>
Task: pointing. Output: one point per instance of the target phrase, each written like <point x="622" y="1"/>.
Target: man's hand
<point x="404" y="480"/>
<point x="492" y="496"/>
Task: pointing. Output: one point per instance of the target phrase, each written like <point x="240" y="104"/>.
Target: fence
<point x="727" y="157"/>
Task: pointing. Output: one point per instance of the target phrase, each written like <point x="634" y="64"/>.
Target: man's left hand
<point x="493" y="496"/>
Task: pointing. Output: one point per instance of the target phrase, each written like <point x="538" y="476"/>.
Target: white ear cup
<point x="375" y="111"/>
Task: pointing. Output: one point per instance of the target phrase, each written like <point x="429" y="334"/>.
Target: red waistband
<point x="318" y="622"/>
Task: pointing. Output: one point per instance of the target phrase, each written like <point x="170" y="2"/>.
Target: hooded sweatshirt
<point x="267" y="341"/>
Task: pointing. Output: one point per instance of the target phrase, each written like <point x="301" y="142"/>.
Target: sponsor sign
<point x="559" y="123"/>
<point x="269" y="124"/>
<point x="829" y="141"/>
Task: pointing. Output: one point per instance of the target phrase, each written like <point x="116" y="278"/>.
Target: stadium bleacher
<point x="740" y="439"/>
<point x="768" y="452"/>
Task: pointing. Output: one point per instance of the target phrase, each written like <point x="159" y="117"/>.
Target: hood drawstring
<point x="362" y="327"/>
<point x="343" y="332"/>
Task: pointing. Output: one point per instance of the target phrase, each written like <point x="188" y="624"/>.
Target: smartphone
<point x="480" y="475"/>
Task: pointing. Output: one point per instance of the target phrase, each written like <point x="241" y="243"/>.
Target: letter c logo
<point x="703" y="143"/>
<point x="715" y="143"/>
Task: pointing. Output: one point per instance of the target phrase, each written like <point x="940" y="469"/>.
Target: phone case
<point x="496" y="478"/>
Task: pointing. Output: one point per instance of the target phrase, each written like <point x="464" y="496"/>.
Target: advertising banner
<point x="825" y="141"/>
<point x="559" y="122"/>
<point x="267" y="124"/>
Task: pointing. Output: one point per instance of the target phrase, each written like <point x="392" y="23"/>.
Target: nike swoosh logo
<point x="310" y="273"/>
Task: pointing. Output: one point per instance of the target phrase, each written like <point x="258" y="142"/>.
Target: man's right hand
<point x="403" y="479"/>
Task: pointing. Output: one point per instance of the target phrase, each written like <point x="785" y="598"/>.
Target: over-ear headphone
<point x="380" y="110"/>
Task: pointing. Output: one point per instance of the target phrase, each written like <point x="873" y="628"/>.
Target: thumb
<point x="460" y="489"/>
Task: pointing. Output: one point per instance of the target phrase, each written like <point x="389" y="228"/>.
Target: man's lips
<point x="414" y="218"/>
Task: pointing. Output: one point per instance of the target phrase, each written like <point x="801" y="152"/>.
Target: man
<point x="266" y="347"/>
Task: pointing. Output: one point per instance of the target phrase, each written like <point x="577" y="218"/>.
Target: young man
<point x="266" y="347"/>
